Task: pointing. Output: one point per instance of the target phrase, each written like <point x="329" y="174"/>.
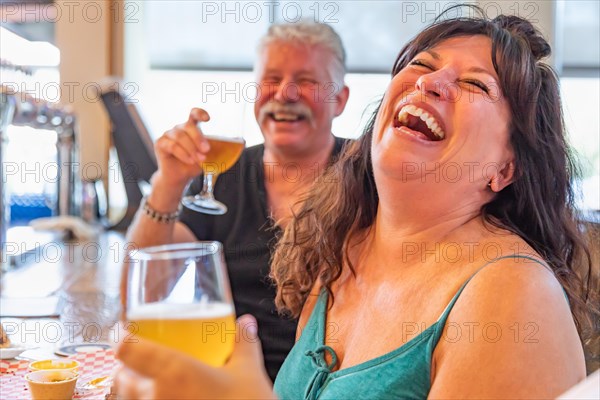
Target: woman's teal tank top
<point x="404" y="373"/>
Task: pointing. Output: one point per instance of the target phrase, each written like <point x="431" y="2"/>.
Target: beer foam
<point x="180" y="311"/>
<point x="225" y="138"/>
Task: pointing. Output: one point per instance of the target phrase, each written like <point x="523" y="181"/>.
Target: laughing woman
<point x="435" y="260"/>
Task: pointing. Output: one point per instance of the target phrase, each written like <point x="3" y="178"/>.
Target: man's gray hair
<point x="310" y="33"/>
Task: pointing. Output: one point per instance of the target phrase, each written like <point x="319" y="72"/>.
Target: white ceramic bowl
<point x="11" y="352"/>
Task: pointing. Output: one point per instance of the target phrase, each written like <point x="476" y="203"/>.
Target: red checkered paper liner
<point x="92" y="365"/>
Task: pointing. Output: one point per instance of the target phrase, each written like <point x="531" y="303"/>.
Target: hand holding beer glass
<point x="223" y="154"/>
<point x="178" y="295"/>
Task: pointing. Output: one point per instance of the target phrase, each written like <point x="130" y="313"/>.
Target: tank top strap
<point x="314" y="330"/>
<point x="320" y="315"/>
<point x="313" y="343"/>
<point x="442" y="319"/>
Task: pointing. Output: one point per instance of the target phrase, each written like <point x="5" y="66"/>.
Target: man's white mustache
<point x="273" y="107"/>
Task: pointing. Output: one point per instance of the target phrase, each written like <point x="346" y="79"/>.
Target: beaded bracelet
<point x="154" y="215"/>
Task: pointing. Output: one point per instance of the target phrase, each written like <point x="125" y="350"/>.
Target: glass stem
<point x="207" y="187"/>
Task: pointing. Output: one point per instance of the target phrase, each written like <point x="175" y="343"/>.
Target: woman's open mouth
<point x="421" y="121"/>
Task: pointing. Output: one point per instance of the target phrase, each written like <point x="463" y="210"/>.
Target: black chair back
<point x="134" y="147"/>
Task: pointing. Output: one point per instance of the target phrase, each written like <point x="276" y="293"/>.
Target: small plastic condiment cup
<point x="65" y="364"/>
<point x="52" y="384"/>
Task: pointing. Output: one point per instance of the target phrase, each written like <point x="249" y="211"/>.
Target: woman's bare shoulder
<point x="512" y="333"/>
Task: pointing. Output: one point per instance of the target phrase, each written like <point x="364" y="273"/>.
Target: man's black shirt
<point x="248" y="235"/>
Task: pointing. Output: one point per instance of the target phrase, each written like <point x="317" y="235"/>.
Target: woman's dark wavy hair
<point x="538" y="206"/>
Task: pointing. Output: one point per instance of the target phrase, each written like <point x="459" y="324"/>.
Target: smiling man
<point x="300" y="72"/>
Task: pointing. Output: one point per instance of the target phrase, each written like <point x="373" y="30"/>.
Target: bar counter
<point x="84" y="276"/>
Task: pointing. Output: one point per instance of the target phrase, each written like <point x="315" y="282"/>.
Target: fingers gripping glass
<point x="178" y="295"/>
<point x="223" y="154"/>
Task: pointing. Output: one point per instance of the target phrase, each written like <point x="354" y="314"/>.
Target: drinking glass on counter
<point x="223" y="154"/>
<point x="179" y="295"/>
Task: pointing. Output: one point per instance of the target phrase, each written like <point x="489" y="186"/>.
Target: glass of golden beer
<point x="178" y="295"/>
<point x="223" y="154"/>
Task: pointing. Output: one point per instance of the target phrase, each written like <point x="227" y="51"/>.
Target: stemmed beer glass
<point x="178" y="295"/>
<point x="223" y="154"/>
